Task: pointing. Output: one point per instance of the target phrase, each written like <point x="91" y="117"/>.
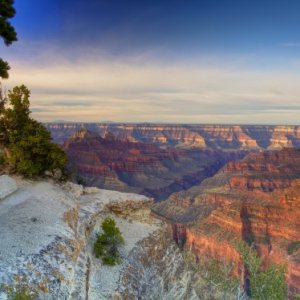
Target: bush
<point x="28" y="143"/>
<point x="217" y="278"/>
<point x="268" y="283"/>
<point x="106" y="245"/>
<point x="18" y="293"/>
<point x="220" y="273"/>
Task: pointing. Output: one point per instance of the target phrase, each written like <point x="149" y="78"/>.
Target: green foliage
<point x="219" y="282"/>
<point x="249" y="257"/>
<point x="265" y="283"/>
<point x="4" y="68"/>
<point x="30" y="150"/>
<point x="7" y="31"/>
<point x="106" y="245"/>
<point x="220" y="273"/>
<point x="293" y="247"/>
<point x="18" y="294"/>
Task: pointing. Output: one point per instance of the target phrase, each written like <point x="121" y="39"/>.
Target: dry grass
<point x="71" y="217"/>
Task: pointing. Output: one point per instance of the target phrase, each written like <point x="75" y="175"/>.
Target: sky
<point x="213" y="61"/>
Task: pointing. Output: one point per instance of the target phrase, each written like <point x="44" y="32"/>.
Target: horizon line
<point x="166" y="123"/>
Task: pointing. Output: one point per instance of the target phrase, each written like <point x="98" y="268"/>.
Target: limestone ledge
<point x="47" y="233"/>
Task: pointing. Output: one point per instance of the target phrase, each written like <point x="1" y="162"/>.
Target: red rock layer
<point x="268" y="217"/>
<point x="265" y="171"/>
<point x="140" y="167"/>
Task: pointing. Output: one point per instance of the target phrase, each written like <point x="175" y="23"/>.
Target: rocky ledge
<point x="47" y="233"/>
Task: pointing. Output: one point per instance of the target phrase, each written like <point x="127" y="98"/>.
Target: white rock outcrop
<point x="46" y="245"/>
<point x="47" y="234"/>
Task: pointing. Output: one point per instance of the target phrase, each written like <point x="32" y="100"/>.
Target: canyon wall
<point x="140" y="167"/>
<point x="47" y="235"/>
<point x="188" y="136"/>
<point x="256" y="200"/>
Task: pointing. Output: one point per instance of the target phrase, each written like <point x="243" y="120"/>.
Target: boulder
<point x="75" y="189"/>
<point x="7" y="186"/>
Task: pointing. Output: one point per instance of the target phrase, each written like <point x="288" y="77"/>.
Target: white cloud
<point x="144" y="89"/>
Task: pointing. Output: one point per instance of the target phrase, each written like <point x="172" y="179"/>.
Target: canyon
<point x="138" y="167"/>
<point x="158" y="159"/>
<point x="214" y="185"/>
<point x="255" y="200"/>
<point x="47" y="234"/>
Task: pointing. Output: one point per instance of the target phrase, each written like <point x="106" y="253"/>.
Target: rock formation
<point x="47" y="236"/>
<point x="140" y="167"/>
<point x="190" y="136"/>
<point x="256" y="200"/>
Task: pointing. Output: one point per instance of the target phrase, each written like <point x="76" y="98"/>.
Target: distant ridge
<point x="226" y="137"/>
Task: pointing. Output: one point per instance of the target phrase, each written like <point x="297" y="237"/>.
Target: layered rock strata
<point x="139" y="167"/>
<point x="190" y="136"/>
<point x="47" y="236"/>
<point x="256" y="200"/>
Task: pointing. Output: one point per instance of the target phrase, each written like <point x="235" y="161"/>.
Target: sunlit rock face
<point x="140" y="167"/>
<point x="256" y="199"/>
<point x="265" y="171"/>
<point x="47" y="235"/>
<point x="190" y="136"/>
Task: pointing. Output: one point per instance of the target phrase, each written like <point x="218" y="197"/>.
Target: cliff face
<point x="256" y="200"/>
<point x="47" y="236"/>
<point x="265" y="171"/>
<point x="191" y="136"/>
<point x="140" y="167"/>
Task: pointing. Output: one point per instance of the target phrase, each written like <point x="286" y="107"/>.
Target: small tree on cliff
<point x="29" y="150"/>
<point x="106" y="245"/>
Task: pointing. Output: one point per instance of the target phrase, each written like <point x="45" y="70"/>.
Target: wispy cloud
<point x="99" y="87"/>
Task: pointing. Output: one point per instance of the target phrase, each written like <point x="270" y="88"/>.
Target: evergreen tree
<point x="106" y="245"/>
<point x="7" y="31"/>
<point x="29" y="150"/>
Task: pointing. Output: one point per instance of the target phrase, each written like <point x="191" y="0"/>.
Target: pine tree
<point x="106" y="245"/>
<point x="7" y="31"/>
<point x="29" y="149"/>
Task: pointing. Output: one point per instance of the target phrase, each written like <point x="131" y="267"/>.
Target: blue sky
<point x="210" y="61"/>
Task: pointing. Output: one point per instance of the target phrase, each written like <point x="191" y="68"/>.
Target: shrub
<point x="18" y="293"/>
<point x="221" y="274"/>
<point x="218" y="280"/>
<point x="21" y="295"/>
<point x="106" y="245"/>
<point x="268" y="283"/>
